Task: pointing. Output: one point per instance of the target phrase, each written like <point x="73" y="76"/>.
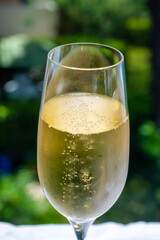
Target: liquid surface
<point x="83" y="148"/>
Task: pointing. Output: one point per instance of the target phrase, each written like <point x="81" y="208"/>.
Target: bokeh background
<point x="28" y="30"/>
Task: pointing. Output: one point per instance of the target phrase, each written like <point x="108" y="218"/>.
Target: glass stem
<point x="81" y="229"/>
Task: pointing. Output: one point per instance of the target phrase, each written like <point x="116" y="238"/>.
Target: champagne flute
<point x="83" y="132"/>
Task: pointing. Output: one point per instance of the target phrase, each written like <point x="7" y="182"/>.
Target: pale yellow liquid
<point x="83" y="148"/>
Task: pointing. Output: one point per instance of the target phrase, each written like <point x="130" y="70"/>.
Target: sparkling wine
<point x="83" y="148"/>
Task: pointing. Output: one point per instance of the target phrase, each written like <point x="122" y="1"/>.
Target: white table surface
<point x="105" y="231"/>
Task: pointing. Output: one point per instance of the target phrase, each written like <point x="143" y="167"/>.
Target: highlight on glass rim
<point x="79" y="119"/>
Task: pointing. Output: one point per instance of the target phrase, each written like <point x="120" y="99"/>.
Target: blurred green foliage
<point x="18" y="123"/>
<point x="22" y="200"/>
<point x="139" y="27"/>
<point x="149" y="141"/>
<point x="4" y="112"/>
<point x="138" y="67"/>
<point x="103" y="18"/>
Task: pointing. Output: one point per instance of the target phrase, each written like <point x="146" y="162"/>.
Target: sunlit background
<point x="28" y="30"/>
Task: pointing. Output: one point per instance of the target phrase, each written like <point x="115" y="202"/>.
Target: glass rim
<point x="86" y="69"/>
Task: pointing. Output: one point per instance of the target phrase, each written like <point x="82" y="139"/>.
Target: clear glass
<point x="83" y="132"/>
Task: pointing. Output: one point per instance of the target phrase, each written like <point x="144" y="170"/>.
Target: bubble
<point x="86" y="206"/>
